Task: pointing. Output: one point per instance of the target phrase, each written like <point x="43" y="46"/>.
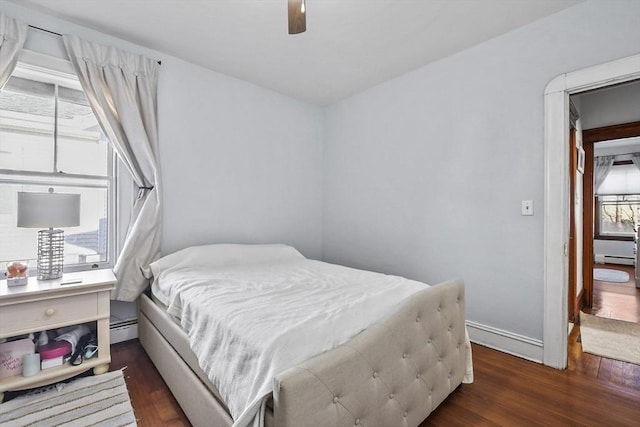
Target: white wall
<point x="239" y="163"/>
<point x="610" y="106"/>
<point x="424" y="174"/>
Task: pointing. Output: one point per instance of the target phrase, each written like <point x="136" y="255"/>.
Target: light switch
<point x="527" y="207"/>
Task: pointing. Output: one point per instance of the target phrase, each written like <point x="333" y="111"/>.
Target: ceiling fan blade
<point x="297" y="16"/>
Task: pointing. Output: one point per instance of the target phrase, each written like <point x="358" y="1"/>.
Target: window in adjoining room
<point x="50" y="138"/>
<point x="618" y="203"/>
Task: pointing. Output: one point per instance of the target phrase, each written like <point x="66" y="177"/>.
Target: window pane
<point x="26" y="125"/>
<point x="619" y="215"/>
<point x="86" y="243"/>
<point x="82" y="147"/>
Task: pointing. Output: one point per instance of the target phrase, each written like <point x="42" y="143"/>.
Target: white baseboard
<point x="505" y="341"/>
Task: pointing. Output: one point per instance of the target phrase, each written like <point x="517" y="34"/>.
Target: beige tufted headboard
<point x="395" y="373"/>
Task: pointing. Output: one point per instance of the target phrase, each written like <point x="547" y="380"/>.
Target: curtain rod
<point x="60" y="35"/>
<point x="46" y="31"/>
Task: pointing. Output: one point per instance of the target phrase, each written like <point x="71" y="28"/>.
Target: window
<point x="50" y="138"/>
<point x="618" y="203"/>
<point x="618" y="216"/>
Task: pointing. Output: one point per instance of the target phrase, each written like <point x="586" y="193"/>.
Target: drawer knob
<point x="50" y="311"/>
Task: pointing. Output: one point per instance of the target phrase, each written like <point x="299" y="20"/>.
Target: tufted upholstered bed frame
<point x="395" y="373"/>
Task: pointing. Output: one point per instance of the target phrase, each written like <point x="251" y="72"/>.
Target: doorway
<point x="556" y="185"/>
<point x="612" y="211"/>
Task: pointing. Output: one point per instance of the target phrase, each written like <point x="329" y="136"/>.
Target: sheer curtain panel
<point x="13" y="33"/>
<point x="122" y="90"/>
<point x="603" y="165"/>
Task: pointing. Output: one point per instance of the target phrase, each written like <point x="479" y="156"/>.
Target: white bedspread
<point x="248" y="323"/>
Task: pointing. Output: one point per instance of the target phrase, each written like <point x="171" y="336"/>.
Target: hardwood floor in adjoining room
<point x="619" y="301"/>
<point x="507" y="391"/>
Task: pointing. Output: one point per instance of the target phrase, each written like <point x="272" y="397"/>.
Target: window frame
<point x="62" y="72"/>
<point x="598" y="235"/>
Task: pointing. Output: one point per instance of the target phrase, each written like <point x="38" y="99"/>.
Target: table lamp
<point x="38" y="210"/>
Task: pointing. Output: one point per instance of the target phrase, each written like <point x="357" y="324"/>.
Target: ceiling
<point x="349" y="46"/>
<point x="616" y="146"/>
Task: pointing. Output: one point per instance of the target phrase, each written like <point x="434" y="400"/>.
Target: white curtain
<point x="122" y="90"/>
<point x="13" y="33"/>
<point x="602" y="168"/>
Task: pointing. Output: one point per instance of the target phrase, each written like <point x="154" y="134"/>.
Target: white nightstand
<point x="50" y="304"/>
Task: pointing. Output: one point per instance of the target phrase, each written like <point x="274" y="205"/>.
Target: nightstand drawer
<point x="40" y="315"/>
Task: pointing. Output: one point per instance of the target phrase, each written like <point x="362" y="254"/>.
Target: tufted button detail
<point x="357" y="421"/>
<point x="404" y="355"/>
<point x="449" y="376"/>
<point x="335" y="399"/>
<point x="391" y="396"/>
<point x="405" y="414"/>
<point x="418" y="319"/>
<point x="418" y="376"/>
<point x="429" y="341"/>
<point x="439" y="308"/>
<point x="375" y="374"/>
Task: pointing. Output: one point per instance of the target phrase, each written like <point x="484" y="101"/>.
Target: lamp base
<point x="50" y="254"/>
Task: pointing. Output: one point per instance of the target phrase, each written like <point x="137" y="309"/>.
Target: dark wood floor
<point x="619" y="301"/>
<point x="507" y="391"/>
<point x="151" y="399"/>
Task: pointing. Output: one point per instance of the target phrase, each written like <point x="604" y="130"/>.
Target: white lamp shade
<point x="43" y="210"/>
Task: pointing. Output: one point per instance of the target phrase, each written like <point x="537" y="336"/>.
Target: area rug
<point x="607" y="275"/>
<point x="100" y="400"/>
<point x="610" y="338"/>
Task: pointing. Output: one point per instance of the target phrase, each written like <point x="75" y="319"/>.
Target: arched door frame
<point x="556" y="193"/>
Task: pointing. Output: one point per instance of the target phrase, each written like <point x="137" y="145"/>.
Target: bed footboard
<point x="395" y="373"/>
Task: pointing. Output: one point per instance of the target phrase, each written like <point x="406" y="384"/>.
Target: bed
<point x="258" y="335"/>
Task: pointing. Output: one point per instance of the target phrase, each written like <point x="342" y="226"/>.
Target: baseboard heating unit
<point x="614" y="259"/>
<point x="123" y="330"/>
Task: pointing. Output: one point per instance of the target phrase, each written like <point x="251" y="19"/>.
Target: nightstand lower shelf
<point x="100" y="365"/>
